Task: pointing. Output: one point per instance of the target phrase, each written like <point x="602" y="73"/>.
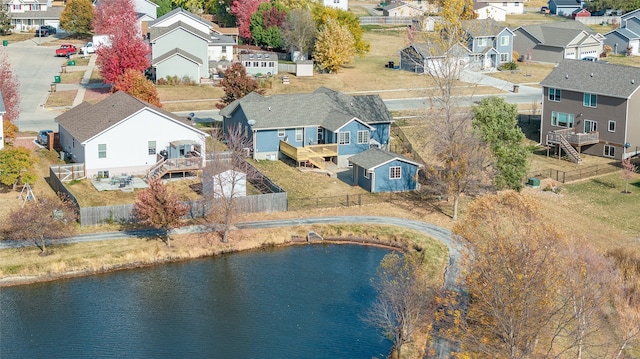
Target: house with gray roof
<point x="401" y="8"/>
<point x="591" y="107"/>
<point x="377" y="170"/>
<point x="122" y="134"/>
<point x="625" y="40"/>
<point x="29" y="15"/>
<point x="564" y="7"/>
<point x="553" y="42"/>
<point x="310" y="128"/>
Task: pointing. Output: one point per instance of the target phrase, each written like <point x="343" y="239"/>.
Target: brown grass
<point x="527" y="73"/>
<point x="61" y="98"/>
<point x="93" y="95"/>
<point x="95" y="76"/>
<point x="17" y="37"/>
<point x="71" y="77"/>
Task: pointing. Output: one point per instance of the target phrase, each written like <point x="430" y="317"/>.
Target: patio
<point x="119" y="183"/>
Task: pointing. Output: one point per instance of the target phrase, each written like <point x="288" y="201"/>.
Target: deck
<point x="315" y="154"/>
<point x="575" y="139"/>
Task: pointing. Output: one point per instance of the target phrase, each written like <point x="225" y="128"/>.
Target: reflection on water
<point x="295" y="302"/>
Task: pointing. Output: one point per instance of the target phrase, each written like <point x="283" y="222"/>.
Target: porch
<point x="575" y="139"/>
<point x="171" y="166"/>
<point x="314" y="154"/>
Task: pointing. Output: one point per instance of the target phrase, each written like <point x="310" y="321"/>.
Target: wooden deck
<point x="315" y="154"/>
<point x="575" y="139"/>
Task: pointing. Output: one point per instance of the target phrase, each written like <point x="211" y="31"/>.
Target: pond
<point x="295" y="302"/>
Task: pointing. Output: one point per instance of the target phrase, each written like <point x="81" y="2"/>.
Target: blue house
<point x="490" y="43"/>
<point x="310" y="128"/>
<point x="564" y="7"/>
<point x="378" y="170"/>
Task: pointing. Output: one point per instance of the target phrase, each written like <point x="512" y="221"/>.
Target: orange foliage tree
<point x="159" y="208"/>
<point x="136" y="84"/>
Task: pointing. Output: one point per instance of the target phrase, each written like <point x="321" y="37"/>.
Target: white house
<point x="338" y="4"/>
<point x="486" y="10"/>
<point x="122" y="134"/>
<point x="147" y="10"/>
<point x="511" y="6"/>
<point x="31" y="14"/>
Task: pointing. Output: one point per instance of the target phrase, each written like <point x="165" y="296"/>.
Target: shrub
<point x="509" y="66"/>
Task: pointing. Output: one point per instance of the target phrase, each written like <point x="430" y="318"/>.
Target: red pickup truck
<point x="66" y="50"/>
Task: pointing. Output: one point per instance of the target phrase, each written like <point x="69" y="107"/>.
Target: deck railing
<point x="302" y="154"/>
<point x="576" y="139"/>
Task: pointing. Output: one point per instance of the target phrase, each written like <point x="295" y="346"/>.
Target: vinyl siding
<point x="383" y="183"/>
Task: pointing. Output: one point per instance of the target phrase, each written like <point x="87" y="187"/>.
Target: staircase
<point x="318" y="162"/>
<point x="573" y="154"/>
<point x="156" y="171"/>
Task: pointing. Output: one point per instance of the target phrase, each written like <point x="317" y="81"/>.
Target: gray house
<point x="625" y="39"/>
<point x="564" y="7"/>
<point x="591" y="107"/>
<point x="553" y="42"/>
<point x="260" y="62"/>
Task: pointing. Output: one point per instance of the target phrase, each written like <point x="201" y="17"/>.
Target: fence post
<point x="347" y="200"/>
<point x="359" y="199"/>
<point x="550" y="171"/>
<point x="563" y="176"/>
<point x="317" y="202"/>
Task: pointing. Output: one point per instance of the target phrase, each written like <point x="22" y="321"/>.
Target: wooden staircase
<point x="318" y="162"/>
<point x="573" y="154"/>
<point x="156" y="171"/>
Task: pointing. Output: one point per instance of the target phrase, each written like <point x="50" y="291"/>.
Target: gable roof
<point x="177" y="52"/>
<point x="482" y="28"/>
<point x="558" y="34"/>
<point x="159" y="31"/>
<point x="183" y="12"/>
<point x="324" y="107"/>
<point x="594" y="77"/>
<point x="86" y="120"/>
<point x="566" y="2"/>
<point x="375" y="157"/>
<point x="624" y="32"/>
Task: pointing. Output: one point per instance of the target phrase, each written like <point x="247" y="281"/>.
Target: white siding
<point x="186" y="20"/>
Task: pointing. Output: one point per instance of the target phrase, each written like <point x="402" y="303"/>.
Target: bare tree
<point x="402" y="297"/>
<point x="628" y="171"/>
<point x="300" y="31"/>
<point x="225" y="180"/>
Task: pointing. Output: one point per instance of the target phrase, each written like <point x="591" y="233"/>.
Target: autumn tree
<point x="266" y="23"/>
<point x="5" y="21"/>
<point x="323" y="14"/>
<point x="136" y="84"/>
<point x="222" y="10"/>
<point x="334" y="46"/>
<point x="299" y="32"/>
<point x="77" y="16"/>
<point x="10" y="131"/>
<point x="9" y="88"/>
<point x="461" y="9"/>
<point x="159" y="208"/>
<point x="193" y="6"/>
<point x="626" y="324"/>
<point x="164" y="7"/>
<point x="16" y="167"/>
<point x="497" y="121"/>
<point x="243" y="10"/>
<point x="237" y="84"/>
<point x="42" y="220"/>
<point x="402" y="296"/>
<point x="628" y="171"/>
<point x="113" y="16"/>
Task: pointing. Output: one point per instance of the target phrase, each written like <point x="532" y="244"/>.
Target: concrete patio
<point x="118" y="184"/>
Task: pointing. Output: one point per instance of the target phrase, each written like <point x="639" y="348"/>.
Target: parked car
<point x="43" y="137"/>
<point x="66" y="50"/>
<point x="590" y="58"/>
<point x="88" y="48"/>
<point x="50" y="29"/>
<point x="545" y="10"/>
<point x="42" y="33"/>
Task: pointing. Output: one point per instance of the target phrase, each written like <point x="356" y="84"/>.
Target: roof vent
<point x="266" y="56"/>
<point x="250" y="56"/>
<point x="633" y="82"/>
<point x="566" y="76"/>
<point x="251" y="122"/>
<point x="259" y="56"/>
<point x="269" y="108"/>
<point x="592" y="74"/>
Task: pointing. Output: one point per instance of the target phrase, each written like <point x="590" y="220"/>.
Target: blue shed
<point x="378" y="170"/>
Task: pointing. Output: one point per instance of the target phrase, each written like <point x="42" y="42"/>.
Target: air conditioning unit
<point x="246" y="152"/>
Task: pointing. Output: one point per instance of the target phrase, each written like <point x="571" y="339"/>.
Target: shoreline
<point x="12" y="281"/>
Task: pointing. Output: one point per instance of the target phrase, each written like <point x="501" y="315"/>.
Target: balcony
<point x="315" y="154"/>
<point x="575" y="139"/>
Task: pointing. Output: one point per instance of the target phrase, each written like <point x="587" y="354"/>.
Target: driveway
<point x="35" y="66"/>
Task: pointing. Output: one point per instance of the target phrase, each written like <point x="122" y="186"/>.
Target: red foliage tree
<point x="242" y="10"/>
<point x="124" y="53"/>
<point x="10" y="88"/>
<point x="159" y="208"/>
<point x="237" y="84"/>
<point x="112" y="16"/>
<point x="136" y="84"/>
<point x="274" y="17"/>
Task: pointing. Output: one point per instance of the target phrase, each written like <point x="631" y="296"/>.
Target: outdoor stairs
<point x="573" y="154"/>
<point x="318" y="162"/>
<point x="157" y="171"/>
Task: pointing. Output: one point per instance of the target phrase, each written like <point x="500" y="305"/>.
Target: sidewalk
<point x="84" y="83"/>
<point x="482" y="79"/>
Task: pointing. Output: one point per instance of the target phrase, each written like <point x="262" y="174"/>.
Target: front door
<point x="320" y="136"/>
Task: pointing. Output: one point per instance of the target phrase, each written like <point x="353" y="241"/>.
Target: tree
<point x="243" y="10"/>
<point x="124" y="53"/>
<point x="266" y="23"/>
<point x="136" y="84"/>
<point x="402" y="295"/>
<point x="5" y="21"/>
<point x="322" y="14"/>
<point x="164" y="7"/>
<point x="114" y="16"/>
<point x="158" y="208"/>
<point x="42" y="220"/>
<point x="460" y="9"/>
<point x="222" y="10"/>
<point x="498" y="124"/>
<point x="237" y="84"/>
<point x="626" y="324"/>
<point x="628" y="171"/>
<point x="16" y="166"/>
<point x="77" y="16"/>
<point x="10" y="131"/>
<point x="193" y="6"/>
<point x="299" y="31"/>
<point x="334" y="46"/>
<point x="9" y="88"/>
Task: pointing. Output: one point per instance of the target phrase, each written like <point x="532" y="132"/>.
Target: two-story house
<point x="488" y="45"/>
<point x="553" y="42"/>
<point x="31" y="14"/>
<point x="625" y="39"/>
<point x="310" y="128"/>
<point x="591" y="107"/>
<point x="510" y="6"/>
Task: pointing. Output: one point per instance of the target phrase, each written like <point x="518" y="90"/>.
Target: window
<point x="103" y="174"/>
<point x="590" y="100"/>
<point x="612" y="126"/>
<point x="263" y="64"/>
<point x="516" y="4"/>
<point x="504" y="57"/>
<point x="590" y="126"/>
<point x="152" y="147"/>
<point x="363" y="137"/>
<point x="281" y="132"/>
<point x="247" y="64"/>
<point x="270" y="63"/>
<point x="609" y="151"/>
<point x="504" y="4"/>
<point x="482" y="42"/>
<point x="102" y="150"/>
<point x="366" y="174"/>
<point x="298" y="135"/>
<point x="504" y="40"/>
<point x="554" y="94"/>
<point x="395" y="172"/>
<point x="344" y="138"/>
<point x="562" y="119"/>
<point x="255" y="64"/>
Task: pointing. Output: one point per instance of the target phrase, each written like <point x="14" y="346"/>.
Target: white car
<point x="88" y="48"/>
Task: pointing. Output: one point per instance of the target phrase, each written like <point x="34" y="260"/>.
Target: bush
<point x="509" y="66"/>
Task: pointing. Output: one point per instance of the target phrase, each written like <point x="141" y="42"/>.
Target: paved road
<point x="441" y="234"/>
<point x="35" y="66"/>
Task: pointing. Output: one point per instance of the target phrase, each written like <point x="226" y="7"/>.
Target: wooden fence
<point x="386" y="20"/>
